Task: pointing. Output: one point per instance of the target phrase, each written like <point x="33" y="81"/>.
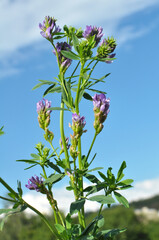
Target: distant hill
<point x="149" y="203"/>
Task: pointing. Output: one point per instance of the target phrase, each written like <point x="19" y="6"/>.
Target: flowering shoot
<point x="49" y="28"/>
<point x="101" y="110"/>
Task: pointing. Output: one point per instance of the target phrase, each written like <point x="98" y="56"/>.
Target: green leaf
<point x="92" y="178"/>
<point x="49" y="89"/>
<point x="120" y="174"/>
<point x="109" y="233"/>
<point x="54" y="178"/>
<point x="70" y="55"/>
<point x="32" y="161"/>
<point x="94" y="188"/>
<point x="106" y="59"/>
<point x="1" y="132"/>
<point x="97" y="91"/>
<point x="77" y="206"/>
<point x="103" y="176"/>
<point x="102" y="199"/>
<point x="43" y="82"/>
<point x="100" y="79"/>
<point x="87" y="96"/>
<point x="8" y="187"/>
<point x="98" y="221"/>
<point x="35" y="156"/>
<point x="58" y="108"/>
<point x="89" y="228"/>
<point x="94" y="169"/>
<point x="124" y="187"/>
<point x="55" y="167"/>
<point x="31" y="166"/>
<point x="19" y="188"/>
<point x="126" y="182"/>
<point x="60" y="228"/>
<point x="69" y="188"/>
<point x="68" y="221"/>
<point x="121" y="199"/>
<point x="7" y="199"/>
<point x="75" y="42"/>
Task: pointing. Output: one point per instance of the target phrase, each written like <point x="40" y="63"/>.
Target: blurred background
<point x="131" y="131"/>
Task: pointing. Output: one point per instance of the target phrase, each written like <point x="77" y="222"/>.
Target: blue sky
<point x="131" y="130"/>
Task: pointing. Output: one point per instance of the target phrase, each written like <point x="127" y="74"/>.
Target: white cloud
<point x="142" y="190"/>
<point x="19" y="21"/>
<point x="62" y="196"/>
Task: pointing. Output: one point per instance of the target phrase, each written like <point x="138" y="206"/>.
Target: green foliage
<point x="20" y="227"/>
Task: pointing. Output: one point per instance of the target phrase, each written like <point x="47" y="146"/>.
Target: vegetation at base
<point x="22" y="227"/>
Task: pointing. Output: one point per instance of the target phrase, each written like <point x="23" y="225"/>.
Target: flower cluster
<point x="93" y="31"/>
<point x="101" y="110"/>
<point x="43" y="113"/>
<point x="78" y="123"/>
<point x="49" y="28"/>
<point x="67" y="144"/>
<point x="106" y="49"/>
<point x="36" y="183"/>
<point x="63" y="61"/>
<point x="44" y="117"/>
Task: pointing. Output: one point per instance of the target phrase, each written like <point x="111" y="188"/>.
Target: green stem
<point x="53" y="149"/>
<point x="92" y="70"/>
<point x="95" y="135"/>
<point x="81" y="214"/>
<point x="63" y="135"/>
<point x="99" y="213"/>
<point x="42" y="216"/>
<point x="56" y="55"/>
<point x="61" y="219"/>
<point x="74" y="71"/>
<point x="44" y="172"/>
<point x="55" y="214"/>
<point x="78" y="89"/>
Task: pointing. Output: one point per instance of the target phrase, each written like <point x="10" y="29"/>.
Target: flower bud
<point x="101" y="110"/>
<point x="63" y="61"/>
<point x="48" y="135"/>
<point x="78" y="124"/>
<point x="43" y="113"/>
<point x="67" y="144"/>
<point x="106" y="49"/>
<point x="93" y="31"/>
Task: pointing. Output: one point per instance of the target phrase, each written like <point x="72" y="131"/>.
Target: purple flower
<point x="49" y="27"/>
<point x="63" y="61"/>
<point x="77" y="126"/>
<point x="67" y="143"/>
<point x="101" y="110"/>
<point x="43" y="105"/>
<point x="36" y="183"/>
<point x="43" y="113"/>
<point x="101" y="104"/>
<point x="110" y="56"/>
<point x="76" y="119"/>
<point x="91" y="31"/>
